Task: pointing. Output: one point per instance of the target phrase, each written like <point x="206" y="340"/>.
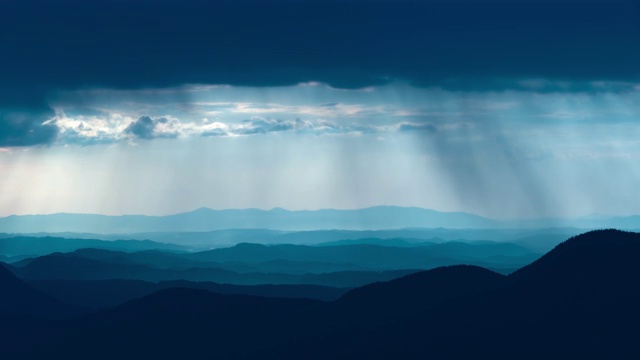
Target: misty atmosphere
<point x="353" y="179"/>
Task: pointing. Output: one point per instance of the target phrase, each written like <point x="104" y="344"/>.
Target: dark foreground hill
<point x="18" y="298"/>
<point x="99" y="294"/>
<point x="578" y="301"/>
<point x="25" y="313"/>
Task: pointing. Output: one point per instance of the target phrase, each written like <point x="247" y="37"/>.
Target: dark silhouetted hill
<point x="591" y="256"/>
<point x="98" y="294"/>
<point x="19" y="298"/>
<point x="414" y="294"/>
<point x="184" y="323"/>
<point x="579" y="300"/>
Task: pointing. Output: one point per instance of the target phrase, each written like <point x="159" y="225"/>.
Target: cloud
<point x="95" y="116"/>
<point x="258" y="125"/>
<point x="25" y="127"/>
<point x="493" y="48"/>
<point x="418" y="127"/>
<point x="214" y="132"/>
<point x="142" y="128"/>
<point x="104" y="128"/>
<point x="492" y="45"/>
<point x="327" y="110"/>
<point x="109" y="128"/>
<point x="146" y="127"/>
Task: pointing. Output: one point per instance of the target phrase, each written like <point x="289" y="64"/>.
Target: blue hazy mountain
<point x="27" y="245"/>
<point x="381" y="217"/>
<point x="539" y="240"/>
<point x="228" y="227"/>
<point x="279" y="264"/>
<point x="491" y="254"/>
<point x="79" y="266"/>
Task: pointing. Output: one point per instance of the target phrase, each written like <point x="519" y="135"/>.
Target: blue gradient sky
<point x="501" y="109"/>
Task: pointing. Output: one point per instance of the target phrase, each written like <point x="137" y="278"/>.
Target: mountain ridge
<point x="205" y="219"/>
<point x="278" y="219"/>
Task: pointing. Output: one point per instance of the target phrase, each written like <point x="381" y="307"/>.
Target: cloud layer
<point x="461" y="46"/>
<point x="26" y="127"/>
<point x="97" y="116"/>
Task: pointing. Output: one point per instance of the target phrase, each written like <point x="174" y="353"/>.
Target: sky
<point x="504" y="109"/>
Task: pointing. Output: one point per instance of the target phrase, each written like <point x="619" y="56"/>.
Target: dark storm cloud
<point x="24" y="127"/>
<point x="145" y="127"/>
<point x="69" y="44"/>
<point x="145" y="43"/>
<point x="142" y="128"/>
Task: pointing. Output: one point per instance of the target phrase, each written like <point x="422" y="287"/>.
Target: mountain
<point x="580" y="300"/>
<point x="104" y="265"/>
<point x="231" y="220"/>
<point x="378" y="257"/>
<point x="536" y="240"/>
<point x="20" y="298"/>
<point x="381" y="217"/>
<point x="68" y="266"/>
<point x="28" y="245"/>
<point x="602" y="260"/>
<point x="410" y="295"/>
<point x="182" y="323"/>
<point x="251" y="264"/>
<point x="101" y="294"/>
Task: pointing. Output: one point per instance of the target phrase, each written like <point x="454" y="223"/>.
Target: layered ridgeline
<point x="538" y="240"/>
<point x="345" y="260"/>
<point x="579" y="300"/>
<point x="344" y="265"/>
<point x="374" y="218"/>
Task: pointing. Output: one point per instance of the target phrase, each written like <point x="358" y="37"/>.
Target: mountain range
<point x="204" y="219"/>
<point x="348" y="264"/>
<point x="577" y="301"/>
<point x="373" y="218"/>
<point x="537" y="240"/>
